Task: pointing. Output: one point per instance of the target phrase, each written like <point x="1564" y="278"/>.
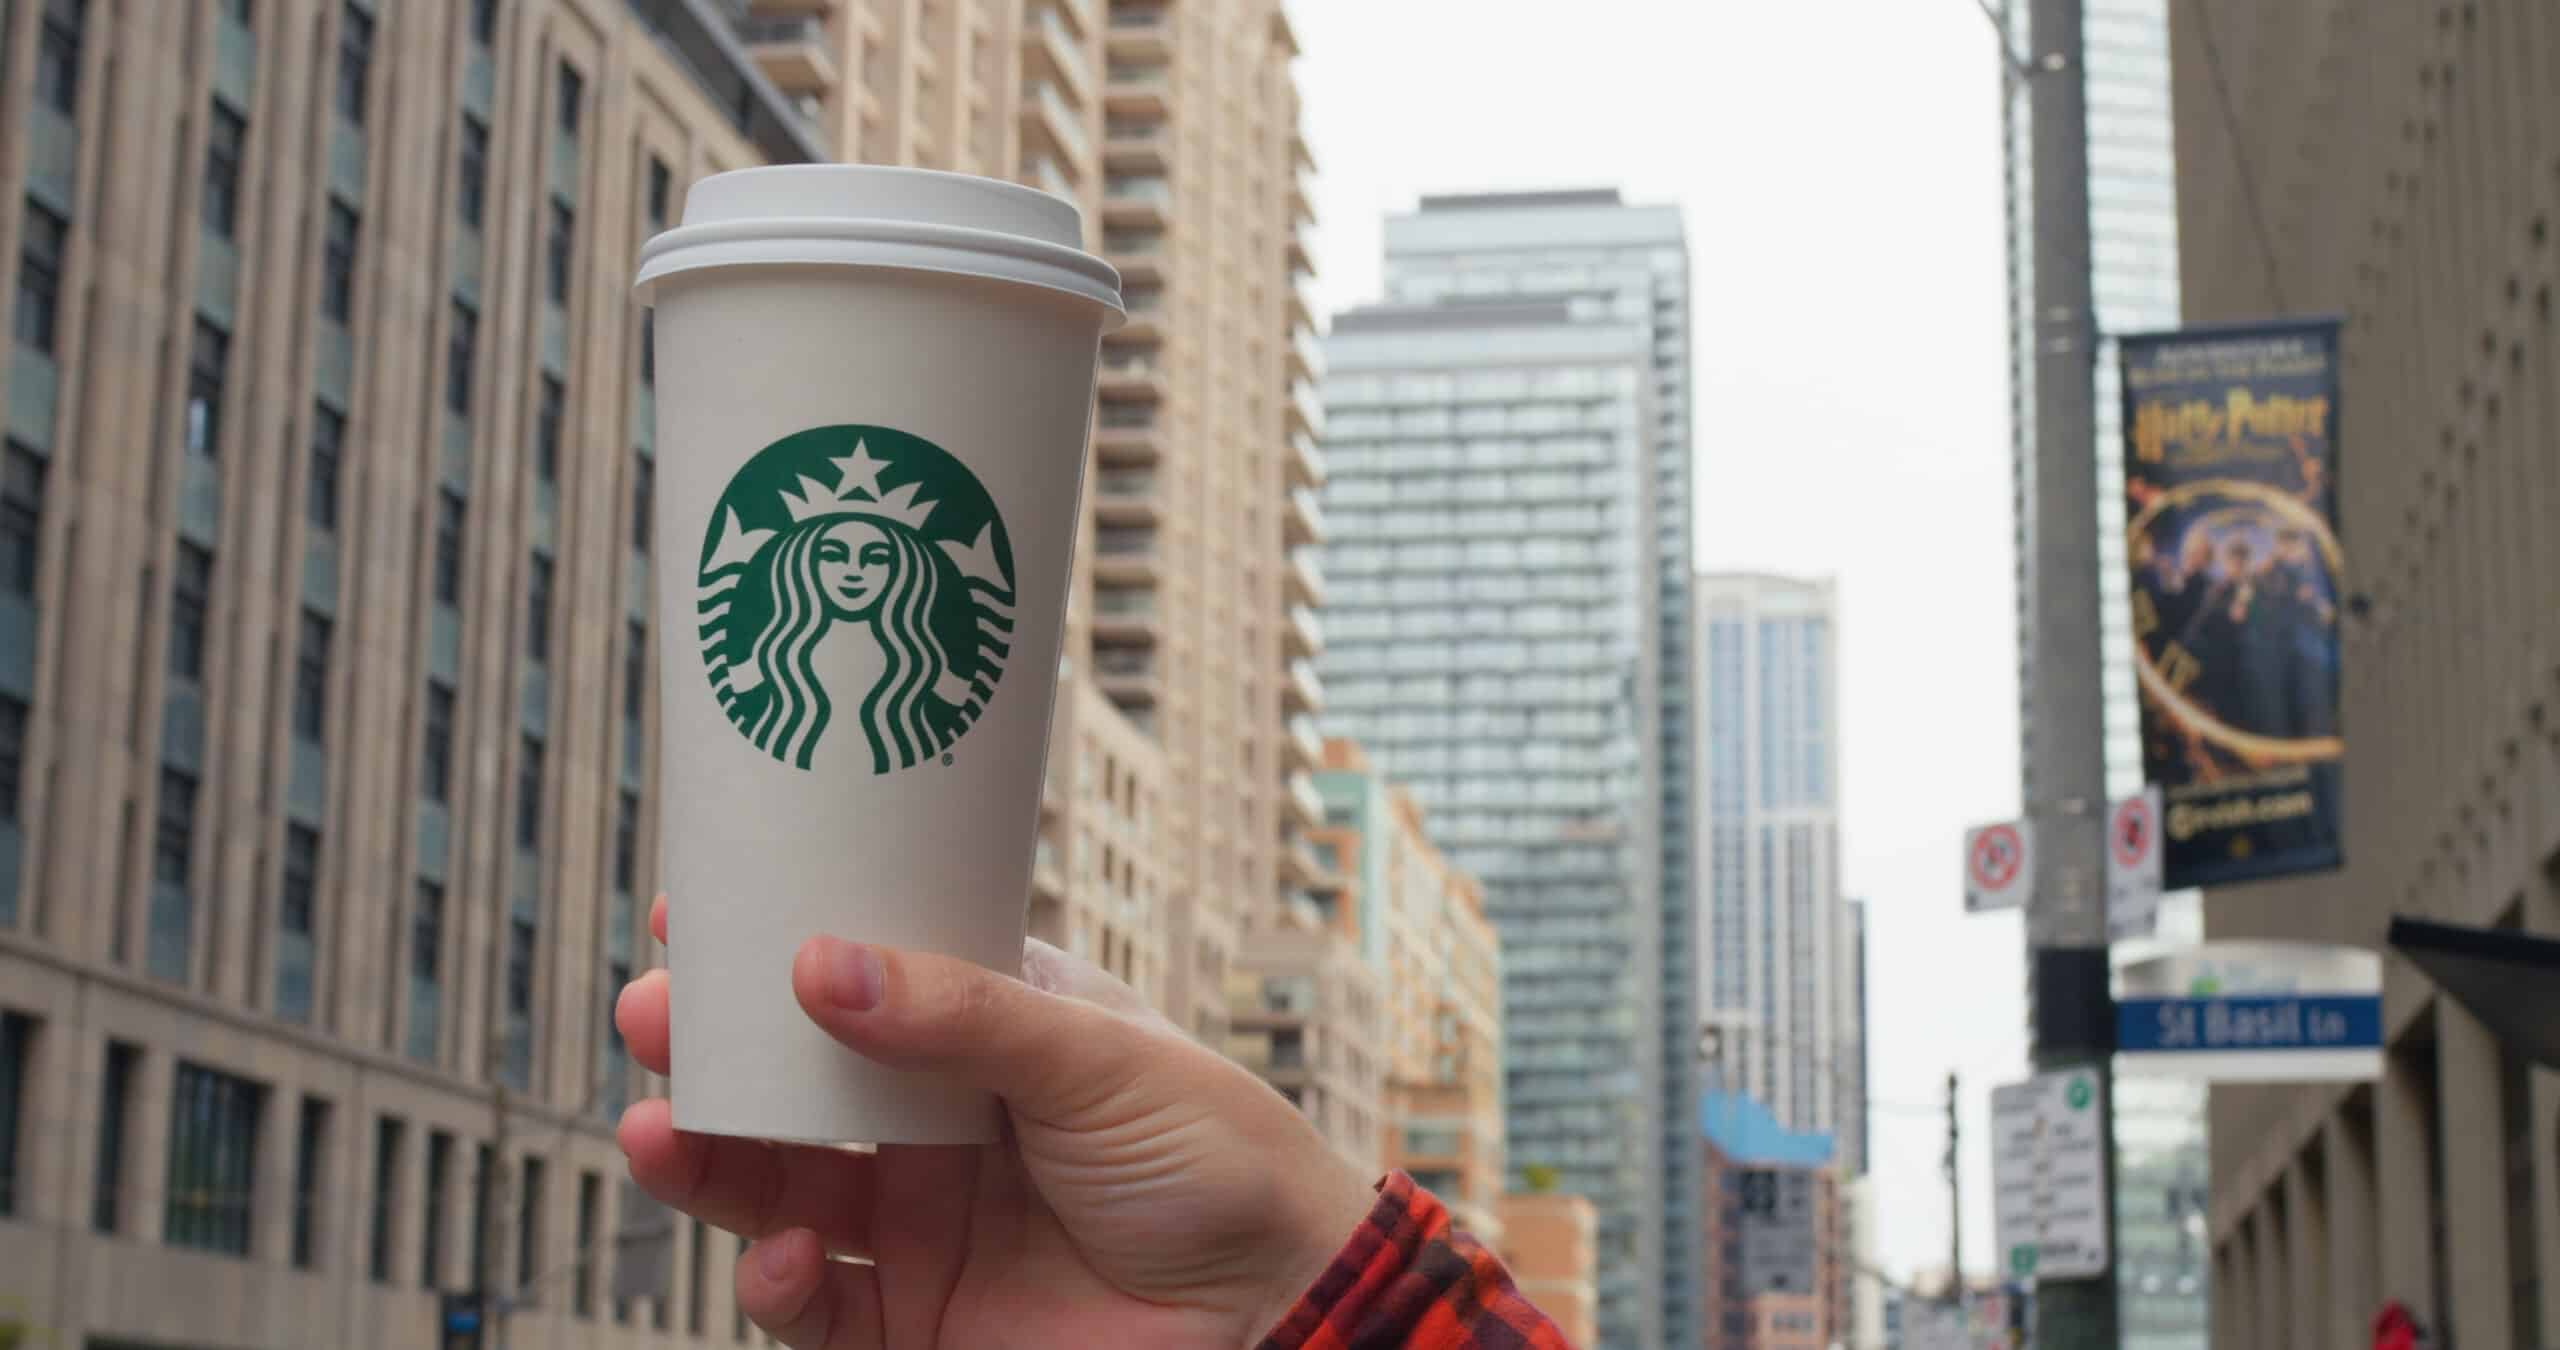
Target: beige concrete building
<point x="326" y="770"/>
<point x="1306" y="1012"/>
<point x="2394" y="163"/>
<point x="1551" y="1242"/>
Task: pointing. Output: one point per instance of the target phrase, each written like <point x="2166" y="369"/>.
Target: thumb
<point x="1053" y="1059"/>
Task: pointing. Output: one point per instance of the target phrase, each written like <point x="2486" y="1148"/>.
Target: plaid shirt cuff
<point x="1409" y="1281"/>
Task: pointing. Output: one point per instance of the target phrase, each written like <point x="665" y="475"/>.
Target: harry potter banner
<point x="2231" y="468"/>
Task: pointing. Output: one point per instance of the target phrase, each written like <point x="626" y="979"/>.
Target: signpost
<point x="2253" y="1012"/>
<point x="1999" y="862"/>
<point x="2133" y="866"/>
<point x="2049" y="1174"/>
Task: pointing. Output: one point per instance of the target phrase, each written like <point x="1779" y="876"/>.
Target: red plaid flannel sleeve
<point x="1408" y="1279"/>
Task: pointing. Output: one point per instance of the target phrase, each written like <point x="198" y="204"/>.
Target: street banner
<point x="2133" y="866"/>
<point x="1998" y="866"/>
<point x="2231" y="468"/>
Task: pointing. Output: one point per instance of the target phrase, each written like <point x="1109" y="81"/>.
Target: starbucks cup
<point x="872" y="393"/>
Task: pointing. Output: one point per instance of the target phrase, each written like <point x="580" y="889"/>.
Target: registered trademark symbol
<point x="946" y="759"/>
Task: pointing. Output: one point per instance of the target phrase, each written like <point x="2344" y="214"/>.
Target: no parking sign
<point x="2133" y="866"/>
<point x="1999" y="866"/>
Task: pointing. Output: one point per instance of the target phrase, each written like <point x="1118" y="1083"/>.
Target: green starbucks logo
<point x="855" y="567"/>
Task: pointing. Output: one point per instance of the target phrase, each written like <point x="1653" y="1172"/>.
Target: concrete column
<point x="2354" y="1269"/>
<point x="2403" y="1118"/>
<point x="146" y="1139"/>
<point x="2474" y="1186"/>
<point x="271" y="1182"/>
<point x="2307" y="1250"/>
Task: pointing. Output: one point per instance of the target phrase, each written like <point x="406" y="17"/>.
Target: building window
<point x="207" y="361"/>
<point x="537" y="610"/>
<point x="311" y="1138"/>
<point x="426" y="932"/>
<point x="13" y="758"/>
<point x="471" y="190"/>
<point x="564" y="228"/>
<point x="58" y="55"/>
<point x="649" y="347"/>
<point x="484" y="1176"/>
<point x="635" y="671"/>
<point x="311" y="678"/>
<point x="320" y="488"/>
<point x="582" y="1293"/>
<point x="484" y="21"/>
<point x="39" y="279"/>
<point x="173" y="841"/>
<point x="698" y="1279"/>
<point x="301" y="879"/>
<point x="221" y="205"/>
<point x="386" y="1196"/>
<point x="626" y="841"/>
<point x="17" y="1034"/>
<point x="573" y="95"/>
<point x="355" y="62"/>
<point x="529" y="794"/>
<point x="435" y="762"/>
<point x="546" y="431"/>
<point x="520" y="968"/>
<point x="462" y="347"/>
<point x="21" y="518"/>
<point x="213" y="1160"/>
<point x="529" y="1216"/>
<point x="431" y="1240"/>
<point x="658" y="187"/>
<point x="448" y="577"/>
<point x="338" y="263"/>
<point x="644" y="487"/>
<point x="115" y="1097"/>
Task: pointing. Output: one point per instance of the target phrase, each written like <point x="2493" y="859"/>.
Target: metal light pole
<point x="2073" y="1015"/>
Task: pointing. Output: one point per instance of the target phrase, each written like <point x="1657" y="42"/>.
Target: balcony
<point x="1302" y="206"/>
<point x="1138" y="255"/>
<point x="1304" y="581"/>
<point x="1305" y="749"/>
<point x="792" y="52"/>
<point x="1300" y="251"/>
<point x="1131" y="375"/>
<point x="1148" y="314"/>
<point x="776" y="9"/>
<point x="1136" y="199"/>
<point x="1302" y="692"/>
<point x="1137" y="89"/>
<point x="1306" y="355"/>
<point x="1125" y="497"/>
<point x="1308" y="803"/>
<point x="1048" y="38"/>
<point x="1126" y="557"/>
<point x="1306" y="410"/>
<point x="1053" y="118"/>
<point x="1125" y="617"/>
<point x="1299" y="865"/>
<point x="1131" y="145"/>
<point x="1140" y="36"/>
<point x="1128" y="434"/>
<point x="1306" y="462"/>
<point x="1048" y="879"/>
<point x="1302" y="298"/>
<point x="1128" y="675"/>
<point x="1040" y="170"/>
<point x="1302" y="521"/>
<point x="1304" y="635"/>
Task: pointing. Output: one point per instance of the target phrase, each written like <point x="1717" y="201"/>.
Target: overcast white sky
<point x="1839" y="166"/>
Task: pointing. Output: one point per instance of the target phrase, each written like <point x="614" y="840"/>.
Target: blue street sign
<point x="2249" y="1023"/>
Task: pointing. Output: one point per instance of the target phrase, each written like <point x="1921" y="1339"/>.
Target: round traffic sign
<point x="2132" y="834"/>
<point x="1996" y="854"/>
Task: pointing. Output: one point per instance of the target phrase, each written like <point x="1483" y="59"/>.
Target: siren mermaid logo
<point x="860" y="569"/>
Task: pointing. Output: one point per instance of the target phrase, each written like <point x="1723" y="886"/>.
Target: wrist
<point x="1317" y="1213"/>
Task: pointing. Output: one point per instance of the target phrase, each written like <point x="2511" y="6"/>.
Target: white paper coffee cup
<point x="873" y="389"/>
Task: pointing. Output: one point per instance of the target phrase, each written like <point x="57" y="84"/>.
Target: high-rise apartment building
<point x="1491" y="630"/>
<point x="1529" y="243"/>
<point x="2401" y="176"/>
<point x="1420" y="923"/>
<point x="327" y="766"/>
<point x="2133" y="237"/>
<point x="1776" y="937"/>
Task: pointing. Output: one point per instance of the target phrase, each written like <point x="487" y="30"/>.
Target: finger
<point x="1056" y="971"/>
<point x="1051" y="1058"/>
<point x="658" y="918"/>
<point x="640" y="1013"/>
<point x="787" y="1286"/>
<point x="750" y="1187"/>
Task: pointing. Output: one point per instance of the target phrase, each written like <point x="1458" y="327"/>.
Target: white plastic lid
<point x="864" y="215"/>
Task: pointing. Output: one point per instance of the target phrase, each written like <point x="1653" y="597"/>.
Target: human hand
<point x="1147" y="1193"/>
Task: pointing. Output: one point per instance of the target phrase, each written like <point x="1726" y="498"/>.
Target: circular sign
<point x="2132" y="834"/>
<point x="2078" y="1094"/>
<point x="854" y="574"/>
<point x="1996" y="853"/>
